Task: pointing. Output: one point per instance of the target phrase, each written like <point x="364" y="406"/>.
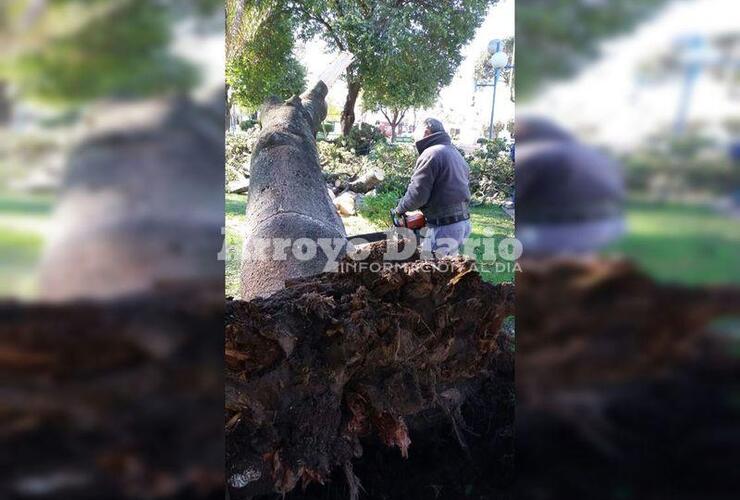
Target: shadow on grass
<point x="236" y="204"/>
<point x="23" y="204"/>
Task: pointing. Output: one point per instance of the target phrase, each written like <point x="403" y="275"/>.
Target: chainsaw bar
<point x="371" y="237"/>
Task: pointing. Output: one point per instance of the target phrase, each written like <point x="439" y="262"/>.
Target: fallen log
<point x="316" y="369"/>
<point x="365" y="183"/>
<point x="348" y="203"/>
<point x="288" y="199"/>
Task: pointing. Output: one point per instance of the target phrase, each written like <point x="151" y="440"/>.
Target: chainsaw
<point x="414" y="221"/>
<point x="411" y="220"/>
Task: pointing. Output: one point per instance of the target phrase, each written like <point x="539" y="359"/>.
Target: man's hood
<point x="433" y="140"/>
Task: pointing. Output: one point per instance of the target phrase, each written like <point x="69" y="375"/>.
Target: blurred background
<point x="88" y="91"/>
<point x="111" y="209"/>
<point x="654" y="85"/>
<point x="627" y="187"/>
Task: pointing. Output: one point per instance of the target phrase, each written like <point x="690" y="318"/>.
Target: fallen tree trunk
<point x="332" y="360"/>
<point x="348" y="203"/>
<point x="364" y="184"/>
<point x="288" y="199"/>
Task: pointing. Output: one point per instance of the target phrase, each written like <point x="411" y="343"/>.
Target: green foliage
<point x="340" y="162"/>
<point x="397" y="162"/>
<point x="491" y="171"/>
<point x="377" y="208"/>
<point x="669" y="167"/>
<point x="266" y="66"/>
<point x="362" y="138"/>
<point x="559" y="37"/>
<point x="239" y="147"/>
<point x="404" y="51"/>
<point x="122" y="53"/>
<point x="248" y="124"/>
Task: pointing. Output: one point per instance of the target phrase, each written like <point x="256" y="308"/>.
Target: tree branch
<point x="329" y="30"/>
<point x="386" y="116"/>
<point x="403" y="113"/>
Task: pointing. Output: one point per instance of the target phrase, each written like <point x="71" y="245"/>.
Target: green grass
<point x="22" y="219"/>
<point x="685" y="244"/>
<point x="24" y="204"/>
<point x="236" y="207"/>
<point x="376" y="209"/>
<point x="490" y="223"/>
<point x="491" y="220"/>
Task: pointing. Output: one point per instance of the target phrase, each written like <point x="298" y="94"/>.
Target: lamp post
<point x="694" y="54"/>
<point x="499" y="61"/>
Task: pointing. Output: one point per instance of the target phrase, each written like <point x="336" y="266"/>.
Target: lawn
<point x="685" y="244"/>
<point x="23" y="221"/>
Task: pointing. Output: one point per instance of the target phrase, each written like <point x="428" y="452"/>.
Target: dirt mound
<point x="339" y="360"/>
<point x="624" y="386"/>
<point x="113" y="399"/>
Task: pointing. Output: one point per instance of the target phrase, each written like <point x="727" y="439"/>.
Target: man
<point x="439" y="188"/>
<point x="569" y="196"/>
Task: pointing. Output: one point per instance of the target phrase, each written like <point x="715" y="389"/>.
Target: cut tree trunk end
<point x="363" y="184"/>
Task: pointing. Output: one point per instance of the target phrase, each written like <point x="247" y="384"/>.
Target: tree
<point x="404" y="86"/>
<point x="559" y="37"/>
<point x="259" y="52"/>
<point x="74" y="51"/>
<point x="391" y="38"/>
<point x="266" y="66"/>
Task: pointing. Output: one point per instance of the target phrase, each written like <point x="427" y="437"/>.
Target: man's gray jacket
<point x="439" y="186"/>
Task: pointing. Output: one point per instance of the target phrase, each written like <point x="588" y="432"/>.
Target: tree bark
<point x="280" y="207"/>
<point x="348" y="113"/>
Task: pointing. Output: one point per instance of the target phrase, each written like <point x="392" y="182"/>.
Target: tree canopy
<point x="404" y="85"/>
<point x="399" y="46"/>
<point x="558" y="38"/>
<point x="259" y="46"/>
<point x="73" y="51"/>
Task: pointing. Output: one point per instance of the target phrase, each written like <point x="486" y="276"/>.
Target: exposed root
<point x="341" y="357"/>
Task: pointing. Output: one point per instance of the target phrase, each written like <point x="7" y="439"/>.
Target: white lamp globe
<point x="499" y="60"/>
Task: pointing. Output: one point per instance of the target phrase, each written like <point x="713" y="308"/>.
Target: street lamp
<point x="694" y="54"/>
<point x="499" y="61"/>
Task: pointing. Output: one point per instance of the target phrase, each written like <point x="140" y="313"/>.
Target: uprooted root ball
<point x="334" y="358"/>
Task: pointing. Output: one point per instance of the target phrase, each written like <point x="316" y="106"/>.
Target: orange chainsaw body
<point x="411" y="220"/>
